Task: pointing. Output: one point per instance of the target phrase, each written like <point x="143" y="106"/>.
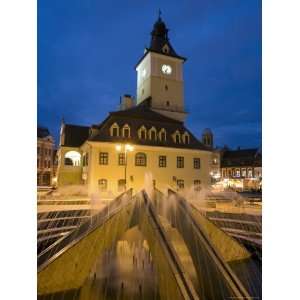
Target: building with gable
<point x="146" y="135"/>
<point x="241" y="169"/>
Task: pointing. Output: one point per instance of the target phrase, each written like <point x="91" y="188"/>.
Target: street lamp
<point x="127" y="148"/>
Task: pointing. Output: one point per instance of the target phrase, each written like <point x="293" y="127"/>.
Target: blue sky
<point x="87" y="50"/>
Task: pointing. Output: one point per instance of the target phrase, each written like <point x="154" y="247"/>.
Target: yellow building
<point x="147" y="137"/>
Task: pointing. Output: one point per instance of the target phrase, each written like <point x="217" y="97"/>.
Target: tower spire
<point x="159" y="14"/>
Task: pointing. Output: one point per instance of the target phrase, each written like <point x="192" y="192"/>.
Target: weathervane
<point x="159" y="14"/>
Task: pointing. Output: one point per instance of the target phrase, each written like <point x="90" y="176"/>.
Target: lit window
<point x="176" y="137"/>
<point x="162" y="161"/>
<point x="142" y="132"/>
<point x="140" y="159"/>
<point x="197" y="185"/>
<point x="180" y="162"/>
<point x="114" y="130"/>
<point x="126" y="131"/>
<point x="180" y="184"/>
<point x="102" y="184"/>
<point x="237" y="172"/>
<point x="186" y="138"/>
<point x="244" y="173"/>
<point x="103" y="158"/>
<point x="250" y="174"/>
<point x="152" y="134"/>
<point x="121" y="159"/>
<point x="163" y="135"/>
<point x="197" y="163"/>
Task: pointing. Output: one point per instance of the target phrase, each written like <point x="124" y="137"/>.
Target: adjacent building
<point x="145" y="138"/>
<point x="45" y="154"/>
<point x="241" y="169"/>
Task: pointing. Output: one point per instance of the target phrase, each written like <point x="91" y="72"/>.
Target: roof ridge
<point x="84" y="126"/>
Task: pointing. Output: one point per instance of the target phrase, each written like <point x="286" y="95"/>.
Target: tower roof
<point x="160" y="40"/>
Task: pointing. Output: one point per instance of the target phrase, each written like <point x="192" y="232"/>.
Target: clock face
<point x="166" y="69"/>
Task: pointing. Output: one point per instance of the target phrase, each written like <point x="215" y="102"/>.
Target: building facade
<point x="146" y="140"/>
<point x="45" y="154"/>
<point x="241" y="169"/>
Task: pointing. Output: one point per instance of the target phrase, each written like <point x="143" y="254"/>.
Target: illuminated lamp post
<point x="126" y="148"/>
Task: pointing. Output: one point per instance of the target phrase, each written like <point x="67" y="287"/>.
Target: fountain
<point x="131" y="248"/>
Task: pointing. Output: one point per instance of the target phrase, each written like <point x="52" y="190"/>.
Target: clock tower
<point x="160" y="75"/>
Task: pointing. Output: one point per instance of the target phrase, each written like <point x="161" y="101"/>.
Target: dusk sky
<point x="87" y="50"/>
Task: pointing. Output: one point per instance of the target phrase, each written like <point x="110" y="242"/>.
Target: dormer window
<point x="142" y="133"/>
<point x="186" y="138"/>
<point x="152" y="134"/>
<point x="176" y="137"/>
<point x="163" y="135"/>
<point x="114" y="130"/>
<point x="126" y="131"/>
<point x="165" y="49"/>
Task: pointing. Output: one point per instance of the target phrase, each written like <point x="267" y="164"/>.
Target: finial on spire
<point x="159" y="14"/>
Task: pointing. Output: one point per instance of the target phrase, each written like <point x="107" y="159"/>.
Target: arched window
<point x="166" y="48"/>
<point x="142" y="132"/>
<point x="186" y="138"/>
<point x="126" y="131"/>
<point x="163" y="135"/>
<point x="72" y="158"/>
<point x="176" y="137"/>
<point x="102" y="184"/>
<point x="152" y="134"/>
<point x="140" y="159"/>
<point x="114" y="130"/>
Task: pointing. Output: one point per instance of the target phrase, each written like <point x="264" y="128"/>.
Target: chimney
<point x="127" y="102"/>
